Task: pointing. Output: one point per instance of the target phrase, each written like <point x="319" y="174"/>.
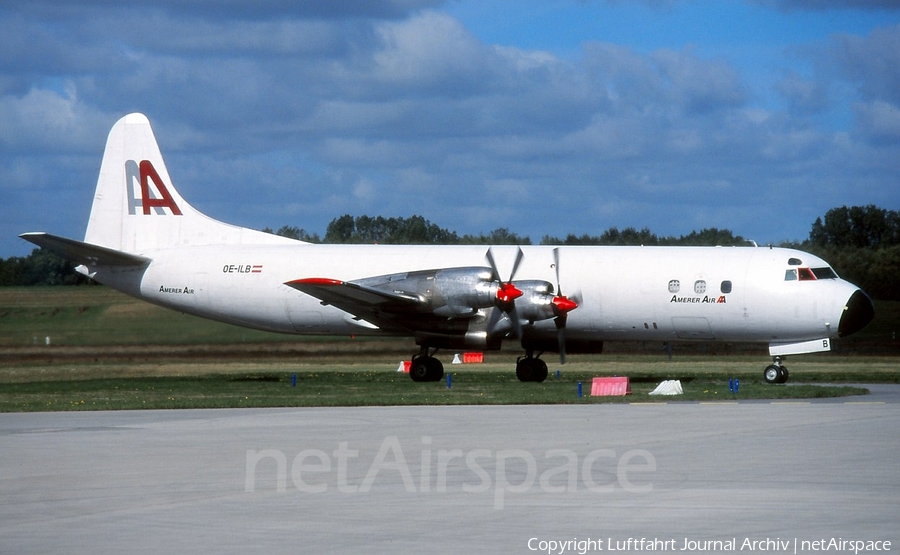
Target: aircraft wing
<point x="442" y="301"/>
<point x="84" y="253"/>
<point x="383" y="308"/>
<point x="347" y="294"/>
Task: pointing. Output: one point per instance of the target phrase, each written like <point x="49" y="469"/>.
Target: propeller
<point x="507" y="293"/>
<point x="562" y="305"/>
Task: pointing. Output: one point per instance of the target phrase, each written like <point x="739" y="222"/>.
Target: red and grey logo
<point x="153" y="200"/>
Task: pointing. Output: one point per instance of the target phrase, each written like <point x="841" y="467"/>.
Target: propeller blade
<point x="507" y="293"/>
<point x="561" y="337"/>
<point x="517" y="323"/>
<point x="493" y="325"/>
<point x="519" y="256"/>
<point x="562" y="305"/>
<point x="495" y="274"/>
<point x="556" y="267"/>
<point x="502" y="321"/>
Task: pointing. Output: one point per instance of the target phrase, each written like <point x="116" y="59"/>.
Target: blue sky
<point x="545" y="117"/>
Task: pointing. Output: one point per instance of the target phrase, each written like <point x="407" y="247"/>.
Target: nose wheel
<point x="776" y="372"/>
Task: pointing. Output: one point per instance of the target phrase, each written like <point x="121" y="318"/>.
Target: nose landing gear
<point x="775" y="372"/>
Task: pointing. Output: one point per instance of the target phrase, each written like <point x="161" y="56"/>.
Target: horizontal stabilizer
<point x="84" y="253"/>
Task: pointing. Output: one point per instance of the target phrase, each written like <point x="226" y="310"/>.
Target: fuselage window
<point x="674" y="286"/>
<point x="700" y="287"/>
<point x="790" y="275"/>
<point x="806" y="274"/>
<point x="726" y="287"/>
<point x="824" y="273"/>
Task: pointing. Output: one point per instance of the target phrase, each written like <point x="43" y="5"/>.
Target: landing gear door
<point x="814" y="346"/>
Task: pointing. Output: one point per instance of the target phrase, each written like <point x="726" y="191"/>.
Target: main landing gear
<point x="775" y="372"/>
<point x="530" y="368"/>
<point x="425" y="367"/>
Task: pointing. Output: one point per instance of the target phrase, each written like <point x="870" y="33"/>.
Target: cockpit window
<point x="824" y="273"/>
<point x="809" y="274"/>
<point x="794" y="262"/>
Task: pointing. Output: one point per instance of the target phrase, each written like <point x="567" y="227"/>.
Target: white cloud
<point x="49" y="120"/>
<point x="394" y="108"/>
<point x="429" y="52"/>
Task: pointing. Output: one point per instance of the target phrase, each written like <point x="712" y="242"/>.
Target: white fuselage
<point x="626" y="293"/>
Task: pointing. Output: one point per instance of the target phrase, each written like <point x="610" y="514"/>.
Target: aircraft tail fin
<point x="137" y="209"/>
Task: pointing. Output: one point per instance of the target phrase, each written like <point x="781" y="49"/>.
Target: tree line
<point x="861" y="242"/>
<point x="416" y="230"/>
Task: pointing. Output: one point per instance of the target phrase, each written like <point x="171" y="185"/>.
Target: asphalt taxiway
<point x="465" y="479"/>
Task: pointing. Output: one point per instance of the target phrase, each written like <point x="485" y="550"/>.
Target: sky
<point x="545" y="117"/>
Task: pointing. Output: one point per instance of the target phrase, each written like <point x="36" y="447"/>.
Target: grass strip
<point x="362" y="388"/>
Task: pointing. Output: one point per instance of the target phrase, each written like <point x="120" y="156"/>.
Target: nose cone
<point x="858" y="312"/>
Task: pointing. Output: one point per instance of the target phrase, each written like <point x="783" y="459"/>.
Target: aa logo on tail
<point x="157" y="198"/>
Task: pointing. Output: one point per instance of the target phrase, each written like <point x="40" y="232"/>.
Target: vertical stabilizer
<point x="137" y="208"/>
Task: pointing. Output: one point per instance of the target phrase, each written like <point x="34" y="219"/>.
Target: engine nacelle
<point x="448" y="292"/>
<point x="536" y="302"/>
<point x="465" y="292"/>
<point x="462" y="291"/>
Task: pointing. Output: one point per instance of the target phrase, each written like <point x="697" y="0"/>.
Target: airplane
<point x="145" y="240"/>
